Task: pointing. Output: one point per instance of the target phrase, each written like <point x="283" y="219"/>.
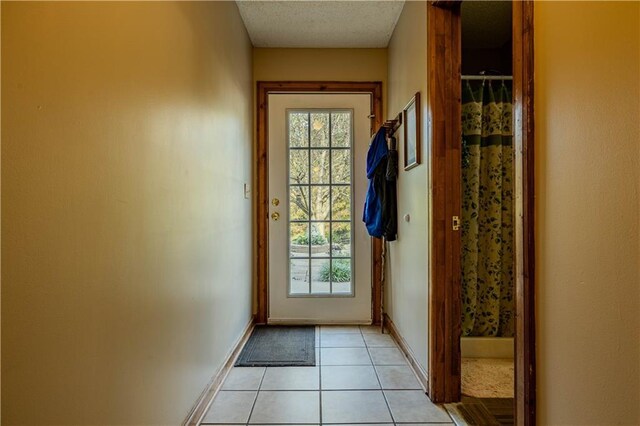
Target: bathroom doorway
<point x="482" y="323"/>
<point x="487" y="213"/>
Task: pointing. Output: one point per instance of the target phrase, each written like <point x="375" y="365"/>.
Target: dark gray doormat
<point x="279" y="346"/>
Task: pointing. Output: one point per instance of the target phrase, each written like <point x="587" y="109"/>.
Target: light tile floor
<point x="361" y="377"/>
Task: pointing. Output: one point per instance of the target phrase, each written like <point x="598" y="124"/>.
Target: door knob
<point x="275" y="216"/>
<point x="275" y="202"/>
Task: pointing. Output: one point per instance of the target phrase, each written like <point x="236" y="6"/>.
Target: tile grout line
<point x="320" y="391"/>
<point x="384" y="391"/>
<point x="401" y="388"/>
<point x="391" y="390"/>
<point x="319" y="328"/>
<point x="378" y="378"/>
<point x="264" y="373"/>
<point x="316" y="390"/>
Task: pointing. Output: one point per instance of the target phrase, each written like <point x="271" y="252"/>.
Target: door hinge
<point x="455" y="223"/>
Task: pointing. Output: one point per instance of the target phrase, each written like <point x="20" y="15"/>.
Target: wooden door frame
<point x="444" y="109"/>
<point x="264" y="89"/>
<point x="444" y="103"/>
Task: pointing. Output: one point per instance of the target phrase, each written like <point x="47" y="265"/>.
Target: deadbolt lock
<point x="275" y="216"/>
<point x="275" y="202"/>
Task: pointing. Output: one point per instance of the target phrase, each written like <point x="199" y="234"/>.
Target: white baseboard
<point x="206" y="398"/>
<point x="307" y="321"/>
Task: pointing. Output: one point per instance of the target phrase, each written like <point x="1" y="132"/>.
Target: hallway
<point x="137" y="211"/>
<point x="360" y="377"/>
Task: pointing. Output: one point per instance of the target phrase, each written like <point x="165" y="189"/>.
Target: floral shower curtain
<point x="487" y="210"/>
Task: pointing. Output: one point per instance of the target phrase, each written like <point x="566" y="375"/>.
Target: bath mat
<point x="279" y="346"/>
<point x="487" y="377"/>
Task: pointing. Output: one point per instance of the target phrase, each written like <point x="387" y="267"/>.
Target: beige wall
<point x="125" y="234"/>
<point x="407" y="285"/>
<point x="0" y="238"/>
<point x="271" y="64"/>
<point x="320" y="64"/>
<point x="587" y="113"/>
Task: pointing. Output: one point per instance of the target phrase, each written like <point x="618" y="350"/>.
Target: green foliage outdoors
<point x="340" y="271"/>
<point x="317" y="238"/>
<point x="341" y="234"/>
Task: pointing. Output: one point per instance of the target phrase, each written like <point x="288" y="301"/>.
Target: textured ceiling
<point x="320" y="23"/>
<point x="486" y="24"/>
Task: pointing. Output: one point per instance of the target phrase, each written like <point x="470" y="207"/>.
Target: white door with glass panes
<point x="319" y="249"/>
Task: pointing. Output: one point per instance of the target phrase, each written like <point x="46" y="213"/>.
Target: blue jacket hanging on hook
<point x="373" y="205"/>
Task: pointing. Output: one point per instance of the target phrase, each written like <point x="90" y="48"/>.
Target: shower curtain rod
<point x="487" y="77"/>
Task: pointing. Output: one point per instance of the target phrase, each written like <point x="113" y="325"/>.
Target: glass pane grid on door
<point x="320" y="203"/>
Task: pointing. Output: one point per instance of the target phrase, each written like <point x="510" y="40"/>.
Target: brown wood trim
<point x="525" y="358"/>
<point x="264" y="88"/>
<point x="446" y="4"/>
<point x="262" y="206"/>
<point x="415" y="101"/>
<point x="443" y="64"/>
<point x="444" y="108"/>
<point x="406" y="349"/>
<point x="376" y="281"/>
<point x="204" y="401"/>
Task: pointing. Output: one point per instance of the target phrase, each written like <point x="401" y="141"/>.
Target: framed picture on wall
<point x="412" y="127"/>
